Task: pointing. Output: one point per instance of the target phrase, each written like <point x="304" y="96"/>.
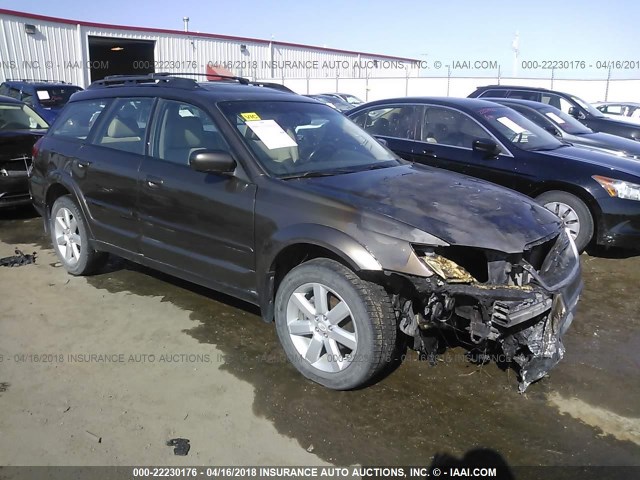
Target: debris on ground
<point x="18" y="260"/>
<point x="93" y="436"/>
<point x="181" y="445"/>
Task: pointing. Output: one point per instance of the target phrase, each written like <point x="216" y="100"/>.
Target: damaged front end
<point x="517" y="305"/>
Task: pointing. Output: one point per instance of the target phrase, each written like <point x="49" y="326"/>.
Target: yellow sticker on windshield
<point x="250" y="116"/>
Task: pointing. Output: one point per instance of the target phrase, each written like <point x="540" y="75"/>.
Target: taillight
<point x="36" y="148"/>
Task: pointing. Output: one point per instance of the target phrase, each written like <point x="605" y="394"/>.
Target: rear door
<point x="195" y="222"/>
<point x="107" y="167"/>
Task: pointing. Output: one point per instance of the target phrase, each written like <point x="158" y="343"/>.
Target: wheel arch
<point x="58" y="186"/>
<point x="300" y="243"/>
<point x="582" y="193"/>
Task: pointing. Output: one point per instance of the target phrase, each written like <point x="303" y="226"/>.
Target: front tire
<point x="335" y="328"/>
<point x="70" y="238"/>
<point x="573" y="213"/>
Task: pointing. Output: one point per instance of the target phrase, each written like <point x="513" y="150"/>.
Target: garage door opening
<point x="120" y="56"/>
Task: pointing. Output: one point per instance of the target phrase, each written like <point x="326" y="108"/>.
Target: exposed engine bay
<point x="516" y="305"/>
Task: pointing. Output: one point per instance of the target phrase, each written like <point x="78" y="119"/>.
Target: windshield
<point x="20" y="117"/>
<point x="518" y="130"/>
<point x="565" y="121"/>
<point x="293" y="139"/>
<point x="587" y="106"/>
<point x="55" y="96"/>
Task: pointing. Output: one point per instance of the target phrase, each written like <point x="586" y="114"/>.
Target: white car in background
<point x="628" y="111"/>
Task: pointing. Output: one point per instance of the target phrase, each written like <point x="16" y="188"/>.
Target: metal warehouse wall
<point x="44" y="55"/>
<point x="60" y="51"/>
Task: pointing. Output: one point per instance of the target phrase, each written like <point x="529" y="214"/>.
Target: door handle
<point x="154" y="182"/>
<point x="429" y="153"/>
<point x="83" y="163"/>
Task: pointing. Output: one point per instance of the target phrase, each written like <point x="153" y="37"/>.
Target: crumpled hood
<point x="455" y="208"/>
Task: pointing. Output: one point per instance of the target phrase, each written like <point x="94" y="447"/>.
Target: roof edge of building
<point x="46" y="18"/>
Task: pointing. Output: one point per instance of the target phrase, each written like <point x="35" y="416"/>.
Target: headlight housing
<point x="446" y="269"/>
<point x="619" y="188"/>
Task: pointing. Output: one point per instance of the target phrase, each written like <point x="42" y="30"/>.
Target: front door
<point x="194" y="222"/>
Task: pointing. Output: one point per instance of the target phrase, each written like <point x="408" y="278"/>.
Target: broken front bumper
<point x="539" y="347"/>
<point x="526" y="321"/>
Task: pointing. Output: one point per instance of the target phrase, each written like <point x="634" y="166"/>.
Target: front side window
<point x="587" y="106"/>
<point x="518" y="130"/>
<point x="399" y="122"/>
<point x="446" y="126"/>
<point x="182" y="129"/>
<point x="20" y="117"/>
<point x="126" y="126"/>
<point x="294" y="139"/>
<point x="78" y="118"/>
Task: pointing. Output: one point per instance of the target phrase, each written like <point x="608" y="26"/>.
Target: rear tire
<point x="335" y="328"/>
<point x="70" y="238"/>
<point x="574" y="214"/>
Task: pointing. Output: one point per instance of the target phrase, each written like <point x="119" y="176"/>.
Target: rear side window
<point x="525" y="95"/>
<point x="494" y="93"/>
<point x="10" y="92"/>
<point x="126" y="126"/>
<point x="76" y="121"/>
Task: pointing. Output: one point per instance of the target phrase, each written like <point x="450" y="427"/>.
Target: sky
<point x="593" y="31"/>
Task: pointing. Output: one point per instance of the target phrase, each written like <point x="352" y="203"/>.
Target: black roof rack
<point x="150" y="79"/>
<point x="36" y="80"/>
<point x="165" y="79"/>
<point x="241" y="80"/>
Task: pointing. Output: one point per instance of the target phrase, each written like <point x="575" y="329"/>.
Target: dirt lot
<point x="174" y="360"/>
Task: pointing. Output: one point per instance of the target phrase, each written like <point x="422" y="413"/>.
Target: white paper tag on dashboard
<point x="271" y="134"/>
<point x="555" y="118"/>
<point x="43" y="94"/>
<point x="511" y="125"/>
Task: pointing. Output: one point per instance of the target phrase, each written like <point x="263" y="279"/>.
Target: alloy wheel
<point x="567" y="215"/>
<point x="321" y="327"/>
<point x="67" y="236"/>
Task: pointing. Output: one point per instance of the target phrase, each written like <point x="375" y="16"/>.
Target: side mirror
<point x="382" y="141"/>
<point x="212" y="161"/>
<point x="553" y="130"/>
<point x="576" y="113"/>
<point x="487" y="147"/>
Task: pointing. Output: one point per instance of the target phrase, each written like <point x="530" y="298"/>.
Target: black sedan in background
<point x="20" y="128"/>
<point x="564" y="126"/>
<point x="334" y="102"/>
<point x="597" y="195"/>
